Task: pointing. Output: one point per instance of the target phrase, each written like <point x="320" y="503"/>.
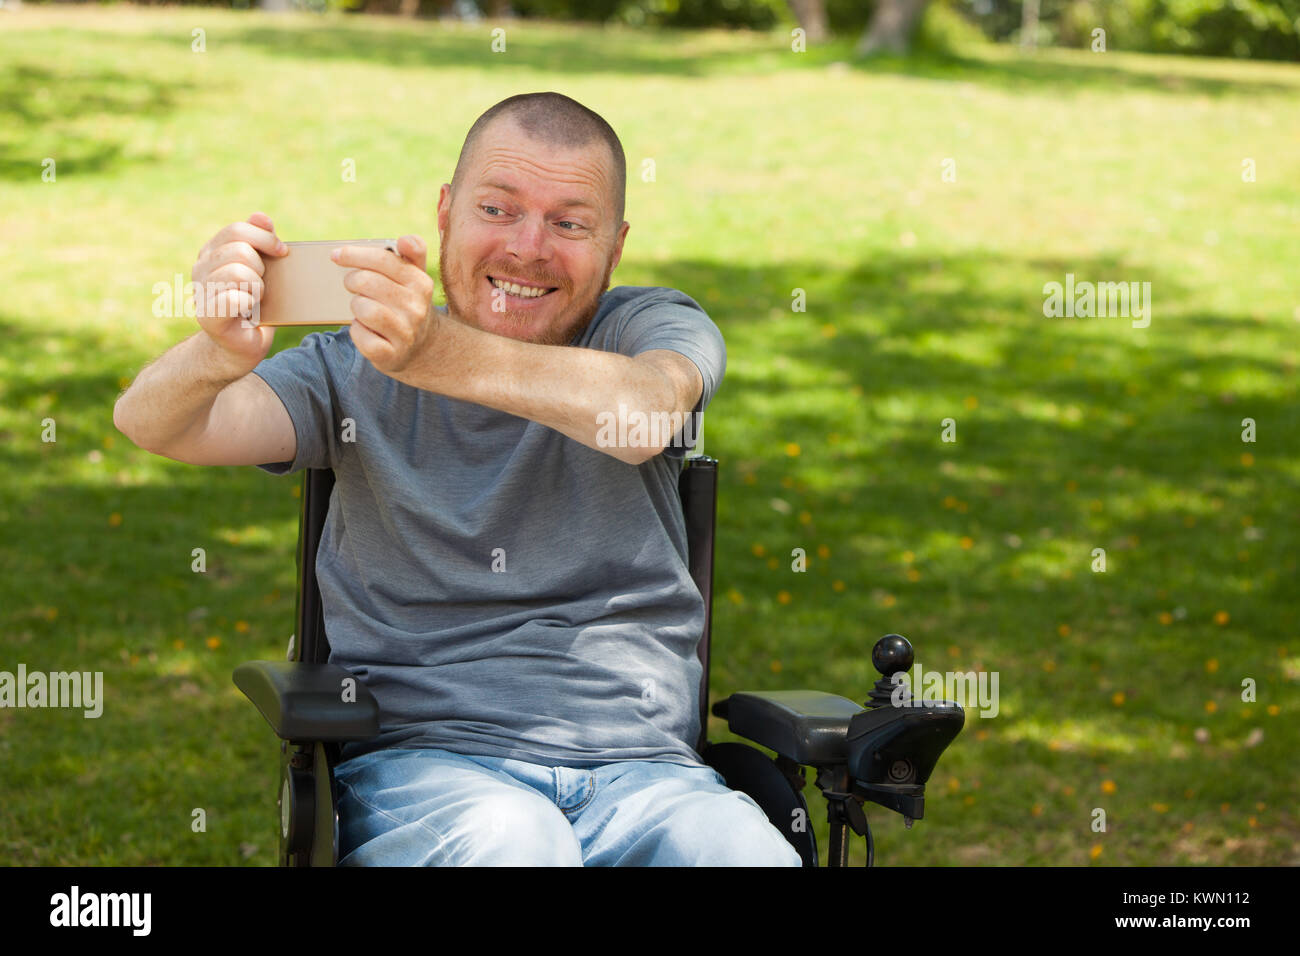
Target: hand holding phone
<point x="228" y="276"/>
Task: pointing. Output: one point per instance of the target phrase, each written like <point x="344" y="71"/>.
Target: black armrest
<point x="808" y="726"/>
<point x="305" y="702"/>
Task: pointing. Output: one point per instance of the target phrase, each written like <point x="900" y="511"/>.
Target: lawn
<point x="921" y="207"/>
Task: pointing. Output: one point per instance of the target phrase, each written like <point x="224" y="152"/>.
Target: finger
<point x="263" y="221"/>
<point x="241" y="274"/>
<point x="414" y="251"/>
<point x="374" y="316"/>
<point x="370" y="343"/>
<point x="263" y="240"/>
<point x="231" y="252"/>
<point x="373" y="258"/>
<point x="219" y="304"/>
<point x="378" y="287"/>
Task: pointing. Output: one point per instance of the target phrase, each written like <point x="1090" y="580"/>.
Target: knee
<point x="509" y="829"/>
<point x="728" y="830"/>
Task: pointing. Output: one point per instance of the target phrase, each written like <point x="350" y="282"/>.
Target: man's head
<point x="538" y="198"/>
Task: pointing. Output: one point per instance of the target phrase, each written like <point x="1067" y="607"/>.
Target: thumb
<point x="413" y="250"/>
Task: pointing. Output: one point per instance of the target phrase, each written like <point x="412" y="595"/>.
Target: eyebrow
<point x="566" y="203"/>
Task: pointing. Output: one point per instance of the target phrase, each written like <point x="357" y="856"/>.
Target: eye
<point x="575" y="225"/>
<point x="489" y="207"/>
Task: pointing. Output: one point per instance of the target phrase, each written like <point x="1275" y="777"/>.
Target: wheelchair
<point x="877" y="751"/>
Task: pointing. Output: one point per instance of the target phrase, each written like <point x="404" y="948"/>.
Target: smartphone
<point x="306" y="286"/>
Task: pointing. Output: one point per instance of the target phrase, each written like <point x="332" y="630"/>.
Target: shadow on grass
<point x="585" y="49"/>
<point x="55" y="113"/>
<point x="1057" y="74"/>
<point x="588" y="49"/>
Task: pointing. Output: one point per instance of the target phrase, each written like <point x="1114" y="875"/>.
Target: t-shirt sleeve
<point x="310" y="379"/>
<point x="670" y="319"/>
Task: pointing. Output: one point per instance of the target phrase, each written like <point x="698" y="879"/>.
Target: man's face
<point x="535" y="216"/>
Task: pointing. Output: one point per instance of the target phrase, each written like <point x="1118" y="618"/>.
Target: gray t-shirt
<point x="502" y="589"/>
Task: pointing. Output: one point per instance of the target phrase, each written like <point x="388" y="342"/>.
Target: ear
<point x="618" y="246"/>
<point x="444" y="208"/>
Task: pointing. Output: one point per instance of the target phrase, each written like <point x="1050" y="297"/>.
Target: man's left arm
<point x="568" y="389"/>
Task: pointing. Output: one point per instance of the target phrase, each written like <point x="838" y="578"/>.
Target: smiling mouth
<point x="516" y="291"/>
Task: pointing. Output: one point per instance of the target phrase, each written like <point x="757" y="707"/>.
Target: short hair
<point x="558" y="121"/>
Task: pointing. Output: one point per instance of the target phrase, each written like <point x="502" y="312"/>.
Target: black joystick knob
<point x="891" y="655"/>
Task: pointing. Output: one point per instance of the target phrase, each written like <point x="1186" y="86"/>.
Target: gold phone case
<point x="306" y="286"/>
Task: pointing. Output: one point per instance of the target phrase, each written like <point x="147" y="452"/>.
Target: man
<point x="511" y="585"/>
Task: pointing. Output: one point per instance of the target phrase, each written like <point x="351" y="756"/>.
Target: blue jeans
<point x="436" y="808"/>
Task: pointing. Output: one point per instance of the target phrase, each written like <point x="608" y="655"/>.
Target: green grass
<point x="773" y="172"/>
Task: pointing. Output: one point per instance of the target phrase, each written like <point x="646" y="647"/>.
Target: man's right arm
<point x="199" y="404"/>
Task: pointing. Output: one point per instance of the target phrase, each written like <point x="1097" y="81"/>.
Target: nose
<point x="528" y="241"/>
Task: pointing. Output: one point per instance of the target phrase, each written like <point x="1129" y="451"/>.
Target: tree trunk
<point x="811" y="15"/>
<point x="1029" y="24"/>
<point x="892" y="26"/>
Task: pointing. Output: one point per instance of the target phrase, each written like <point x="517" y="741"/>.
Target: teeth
<point x="524" y="292"/>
